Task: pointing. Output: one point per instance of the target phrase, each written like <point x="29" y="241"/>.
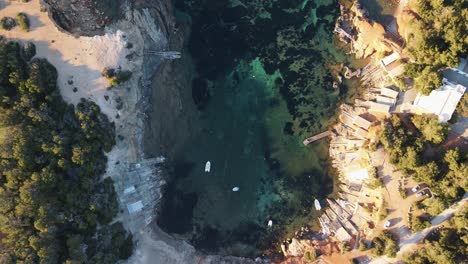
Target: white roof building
<point x="379" y="108"/>
<point x="135" y="207"/>
<point x="357" y="175"/>
<point x="129" y="190"/>
<point x="389" y="93"/>
<point x="361" y="122"/>
<point x="385" y="100"/>
<point x="441" y="102"/>
<point x="342" y="235"/>
<point x="390" y="58"/>
<point x="392" y="65"/>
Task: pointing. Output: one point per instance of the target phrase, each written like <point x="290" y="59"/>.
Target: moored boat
<point x="317" y="205"/>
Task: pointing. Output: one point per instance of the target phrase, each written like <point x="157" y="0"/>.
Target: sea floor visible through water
<point x="264" y="82"/>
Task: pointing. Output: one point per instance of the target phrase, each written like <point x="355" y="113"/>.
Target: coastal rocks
<point x="298" y="247"/>
<point x="367" y="37"/>
<point x="82" y="17"/>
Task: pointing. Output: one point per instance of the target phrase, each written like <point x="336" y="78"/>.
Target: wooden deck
<point x="311" y="139"/>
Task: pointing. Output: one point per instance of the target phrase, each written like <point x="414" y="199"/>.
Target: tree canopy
<point x="440" y="38"/>
<point x="52" y="196"/>
<point x="445" y="171"/>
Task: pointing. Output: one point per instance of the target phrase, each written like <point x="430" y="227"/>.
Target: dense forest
<point x="440" y="38"/>
<point x="54" y="205"/>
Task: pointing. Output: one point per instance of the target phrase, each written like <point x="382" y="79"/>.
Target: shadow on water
<point x="178" y="206"/>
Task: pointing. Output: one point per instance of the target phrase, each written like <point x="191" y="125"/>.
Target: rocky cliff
<point x="366" y="36"/>
<point x="83" y="17"/>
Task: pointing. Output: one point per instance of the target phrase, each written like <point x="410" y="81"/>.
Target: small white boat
<point x="235" y="189"/>
<point x="208" y="166"/>
<point x="270" y="223"/>
<point x="317" y="205"/>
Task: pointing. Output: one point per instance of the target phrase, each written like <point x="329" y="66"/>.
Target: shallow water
<point x="262" y="86"/>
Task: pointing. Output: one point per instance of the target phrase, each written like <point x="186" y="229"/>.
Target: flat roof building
<point x="135" y="207"/>
<point x="379" y="108"/>
<point x="389" y="93"/>
<point x="357" y="175"/>
<point x="385" y="100"/>
<point x="391" y="65"/>
<point x="361" y="133"/>
<point x="441" y="102"/>
<point x="129" y="190"/>
<point x="361" y="122"/>
<point x="390" y="58"/>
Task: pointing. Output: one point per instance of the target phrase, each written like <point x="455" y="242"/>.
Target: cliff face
<point x="173" y="116"/>
<point x="83" y="17"/>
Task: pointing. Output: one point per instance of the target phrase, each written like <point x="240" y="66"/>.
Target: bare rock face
<point x="83" y="17"/>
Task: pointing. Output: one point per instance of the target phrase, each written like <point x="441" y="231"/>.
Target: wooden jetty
<point x="311" y="139"/>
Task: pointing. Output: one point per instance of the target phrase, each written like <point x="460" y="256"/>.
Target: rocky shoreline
<point x="352" y="135"/>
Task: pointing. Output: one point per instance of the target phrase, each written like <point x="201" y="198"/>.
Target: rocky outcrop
<point x="366" y="36"/>
<point x="83" y="17"/>
<point x="297" y="247"/>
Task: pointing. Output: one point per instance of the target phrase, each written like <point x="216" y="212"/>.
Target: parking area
<point x="399" y="209"/>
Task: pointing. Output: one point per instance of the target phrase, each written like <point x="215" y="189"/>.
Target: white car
<point x="416" y="188"/>
<point x="387" y="224"/>
<point x="421" y="193"/>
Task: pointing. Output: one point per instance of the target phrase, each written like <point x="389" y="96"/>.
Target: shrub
<point x="383" y="213"/>
<point x="344" y="247"/>
<point x="7" y="23"/>
<point x="419" y="224"/>
<point x="385" y="244"/>
<point x="362" y="246"/>
<point x="23" y="21"/>
<point x="403" y="193"/>
<point x="116" y="76"/>
<point x="310" y="256"/>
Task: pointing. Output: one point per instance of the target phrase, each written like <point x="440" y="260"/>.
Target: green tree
<point x="430" y="128"/>
<point x="438" y="41"/>
<point x="23" y="21"/>
<point x="310" y="256"/>
<point x="52" y="197"/>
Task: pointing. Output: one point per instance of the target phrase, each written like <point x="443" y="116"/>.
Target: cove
<point x="263" y="83"/>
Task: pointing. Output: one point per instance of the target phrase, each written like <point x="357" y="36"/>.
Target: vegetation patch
<point x="23" y="21"/>
<point x="7" y="23"/>
<point x="52" y="196"/>
<point x="444" y="171"/>
<point x="438" y="41"/>
<point x="444" y="245"/>
<point x="116" y="76"/>
<point x="385" y="244"/>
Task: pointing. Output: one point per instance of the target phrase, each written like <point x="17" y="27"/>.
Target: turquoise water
<point x="263" y="85"/>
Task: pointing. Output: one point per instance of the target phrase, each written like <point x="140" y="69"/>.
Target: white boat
<point x="235" y="189"/>
<point x="208" y="166"/>
<point x="270" y="223"/>
<point x="317" y="205"/>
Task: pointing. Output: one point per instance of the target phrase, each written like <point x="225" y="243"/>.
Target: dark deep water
<point x="263" y="85"/>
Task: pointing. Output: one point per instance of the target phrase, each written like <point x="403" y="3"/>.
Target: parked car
<point x="416" y="188"/>
<point x="421" y="193"/>
<point x="387" y="224"/>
